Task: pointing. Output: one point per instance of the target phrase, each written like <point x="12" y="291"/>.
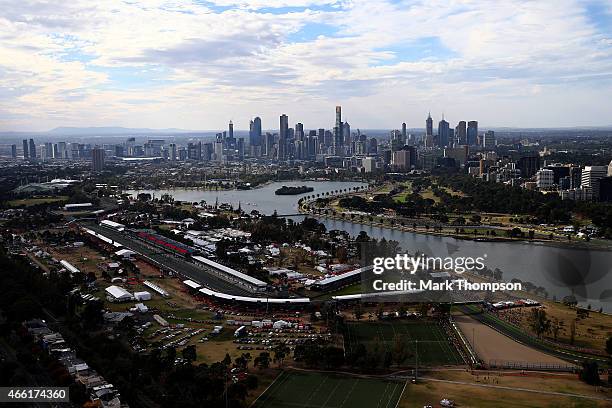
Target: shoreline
<point x="563" y="245"/>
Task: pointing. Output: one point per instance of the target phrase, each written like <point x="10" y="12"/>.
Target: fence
<point x="523" y="365"/>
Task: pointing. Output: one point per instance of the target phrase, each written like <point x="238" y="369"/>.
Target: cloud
<point x="122" y="63"/>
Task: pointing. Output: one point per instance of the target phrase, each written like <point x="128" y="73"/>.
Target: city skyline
<point x="384" y="61"/>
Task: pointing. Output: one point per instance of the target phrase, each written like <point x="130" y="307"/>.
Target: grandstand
<point x="112" y="225"/>
<point x="338" y="281"/>
<point x="254" y="300"/>
<point x="156" y="288"/>
<point x="231" y="275"/>
<point x="166" y="243"/>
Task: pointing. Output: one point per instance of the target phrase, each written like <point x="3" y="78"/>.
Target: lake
<point x="585" y="273"/>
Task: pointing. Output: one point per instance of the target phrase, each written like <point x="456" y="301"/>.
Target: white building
<point x="369" y="164"/>
<point x="545" y="178"/>
<point x="591" y="176"/>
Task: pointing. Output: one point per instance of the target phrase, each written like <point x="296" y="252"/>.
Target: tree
<point x="263" y="360"/>
<point x="358" y="312"/>
<point x="227" y="360"/>
<point x="539" y="322"/>
<point x="590" y="372"/>
<point x="280" y="352"/>
<point x="556" y="328"/>
<point x="189" y="353"/>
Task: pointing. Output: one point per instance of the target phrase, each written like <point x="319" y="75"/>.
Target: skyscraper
<point x="32" y="149"/>
<point x="443" y="133"/>
<point x="461" y="133"/>
<point x="346" y="135"/>
<point x="429" y="125"/>
<point x="338" y="140"/>
<point x="472" y="133"/>
<point x="255" y="132"/>
<point x="26" y="150"/>
<point x="97" y="159"/>
<point x="231" y="141"/>
<point x="591" y="176"/>
<point x="404" y="134"/>
<point x="488" y="141"/>
<point x="299" y="131"/>
<point x="14" y="151"/>
<point x="283" y="136"/>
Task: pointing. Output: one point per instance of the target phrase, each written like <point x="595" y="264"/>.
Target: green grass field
<point x="327" y="390"/>
<point x="434" y="348"/>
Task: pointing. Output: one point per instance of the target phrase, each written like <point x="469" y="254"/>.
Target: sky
<point x="198" y="64"/>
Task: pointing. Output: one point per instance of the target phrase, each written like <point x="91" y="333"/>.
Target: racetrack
<point x="490" y="344"/>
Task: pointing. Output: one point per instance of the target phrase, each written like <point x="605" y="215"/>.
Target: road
<point x="195" y="272"/>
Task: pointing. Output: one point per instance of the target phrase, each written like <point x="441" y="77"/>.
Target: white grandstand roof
<point x="230" y="271"/>
<point x="192" y="284"/>
<point x="226" y="296"/>
<point x="112" y="224"/>
<point x="343" y="276"/>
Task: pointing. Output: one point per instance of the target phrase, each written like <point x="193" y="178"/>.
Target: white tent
<point x="117" y="294"/>
<point x="142" y="295"/>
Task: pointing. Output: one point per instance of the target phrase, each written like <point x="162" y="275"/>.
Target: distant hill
<point x="111" y="130"/>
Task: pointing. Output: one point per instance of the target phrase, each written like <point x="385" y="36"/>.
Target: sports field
<point x="327" y="390"/>
<point x="425" y="338"/>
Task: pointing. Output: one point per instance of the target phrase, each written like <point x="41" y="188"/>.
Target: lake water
<point x="587" y="274"/>
<point x="261" y="199"/>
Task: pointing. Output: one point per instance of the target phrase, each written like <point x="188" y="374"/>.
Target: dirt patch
<point x="490" y="345"/>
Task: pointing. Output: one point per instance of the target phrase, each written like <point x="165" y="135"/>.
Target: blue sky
<point x="198" y="64"/>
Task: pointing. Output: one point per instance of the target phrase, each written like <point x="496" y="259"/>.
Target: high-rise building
<point x="429" y="125"/>
<point x="528" y="165"/>
<point x="472" y="133"/>
<point x="401" y="160"/>
<point x="240" y="148"/>
<point x="461" y="133"/>
<point x="545" y="178"/>
<point x="14" y="151"/>
<point x="283" y="136"/>
<point x="368" y="164"/>
<point x="404" y="134"/>
<point x="255" y="132"/>
<point x="338" y="139"/>
<point x="26" y="149"/>
<point x="97" y="159"/>
<point x="488" y="140"/>
<point x="443" y="133"/>
<point x="605" y="189"/>
<point x="346" y="136"/>
<point x="48" y="151"/>
<point x="591" y="176"/>
<point x="32" y="149"/>
<point x="172" y="152"/>
<point x="299" y="131"/>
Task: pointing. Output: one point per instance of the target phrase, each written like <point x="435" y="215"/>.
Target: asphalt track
<point x="200" y="274"/>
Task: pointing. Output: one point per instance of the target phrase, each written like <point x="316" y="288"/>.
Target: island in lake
<point x="285" y="190"/>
